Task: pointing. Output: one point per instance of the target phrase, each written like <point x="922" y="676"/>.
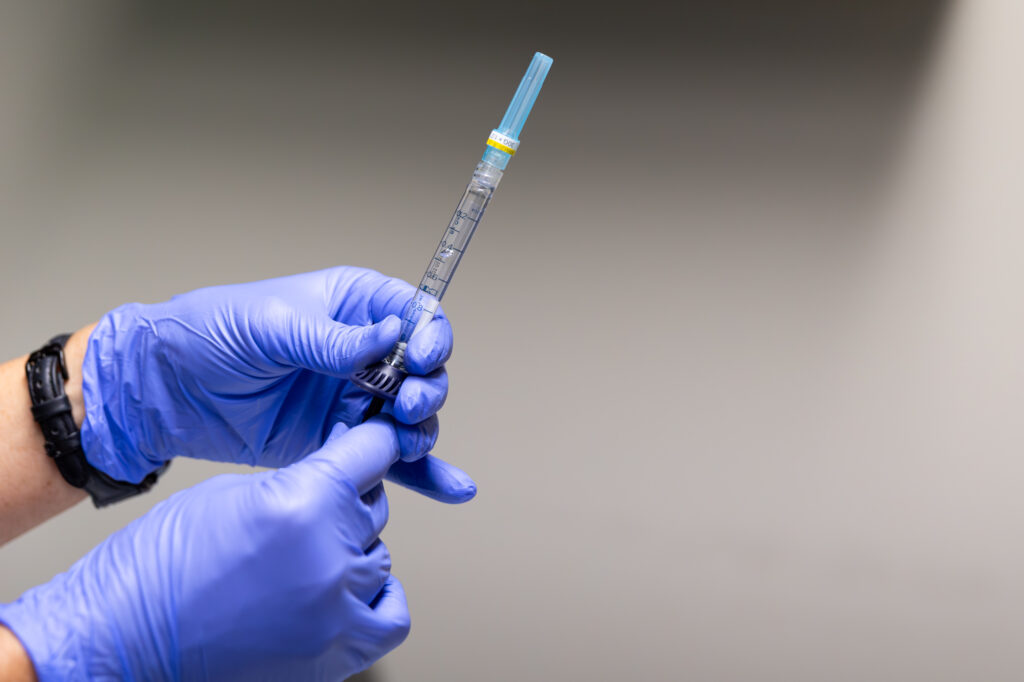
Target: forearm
<point x="31" y="488"/>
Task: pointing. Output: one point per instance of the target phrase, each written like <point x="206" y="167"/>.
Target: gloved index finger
<point x="362" y="454"/>
<point x="430" y="347"/>
<point x="392" y="296"/>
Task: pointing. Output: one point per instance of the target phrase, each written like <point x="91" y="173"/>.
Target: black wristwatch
<point x="47" y="372"/>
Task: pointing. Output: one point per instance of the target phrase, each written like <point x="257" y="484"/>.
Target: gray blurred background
<point x="739" y="358"/>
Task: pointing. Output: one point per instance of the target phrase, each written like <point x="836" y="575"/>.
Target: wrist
<point x="15" y="664"/>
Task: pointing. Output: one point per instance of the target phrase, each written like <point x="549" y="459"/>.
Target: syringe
<point x="384" y="379"/>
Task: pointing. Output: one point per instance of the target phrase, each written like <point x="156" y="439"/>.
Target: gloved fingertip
<point x="455" y="482"/>
<point x="467" y="493"/>
<point x="435" y="479"/>
<point x="418" y="439"/>
<point x="380" y="336"/>
<point x="389" y="328"/>
<point x="419" y="398"/>
<point x="462" y="483"/>
<point x="408" y="403"/>
<point x="362" y="346"/>
<point x="412" y="456"/>
<point x="430" y="348"/>
<point x="337" y="431"/>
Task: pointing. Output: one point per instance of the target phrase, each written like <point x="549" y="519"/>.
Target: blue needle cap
<point x="504" y="141"/>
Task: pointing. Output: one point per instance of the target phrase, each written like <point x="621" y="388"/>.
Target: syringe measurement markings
<point x="446" y="253"/>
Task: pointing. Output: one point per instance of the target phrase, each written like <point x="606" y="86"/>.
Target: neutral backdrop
<point x="739" y="358"/>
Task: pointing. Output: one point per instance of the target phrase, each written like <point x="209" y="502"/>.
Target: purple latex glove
<point x="269" y="576"/>
<point x="256" y="373"/>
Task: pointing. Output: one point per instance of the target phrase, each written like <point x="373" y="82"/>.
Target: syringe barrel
<point x="460" y="229"/>
<point x="454" y="241"/>
<point x="501" y="146"/>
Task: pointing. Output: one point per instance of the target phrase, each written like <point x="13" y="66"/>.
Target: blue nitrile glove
<point x="254" y="373"/>
<point x="268" y="576"/>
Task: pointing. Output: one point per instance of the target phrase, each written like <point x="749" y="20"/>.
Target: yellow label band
<point x="503" y="143"/>
<point x="501" y="147"/>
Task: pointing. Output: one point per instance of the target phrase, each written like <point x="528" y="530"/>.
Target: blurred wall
<point x="739" y="346"/>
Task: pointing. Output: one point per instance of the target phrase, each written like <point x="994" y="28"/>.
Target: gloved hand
<point x="269" y="576"/>
<point x="254" y="373"/>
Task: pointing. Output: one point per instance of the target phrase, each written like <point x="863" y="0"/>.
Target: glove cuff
<point x="74" y="633"/>
<point x="40" y="625"/>
<point x="114" y="432"/>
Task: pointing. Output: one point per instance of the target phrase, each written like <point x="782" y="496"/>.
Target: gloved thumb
<point x="360" y="456"/>
<point x="323" y="345"/>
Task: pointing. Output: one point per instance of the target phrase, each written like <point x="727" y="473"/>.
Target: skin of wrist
<point x="15" y="665"/>
<point x="31" y="487"/>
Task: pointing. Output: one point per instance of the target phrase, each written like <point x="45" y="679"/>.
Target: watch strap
<point x="46" y="372"/>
